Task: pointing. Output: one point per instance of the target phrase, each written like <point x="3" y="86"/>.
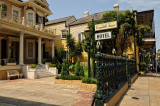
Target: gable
<point x="43" y="2"/>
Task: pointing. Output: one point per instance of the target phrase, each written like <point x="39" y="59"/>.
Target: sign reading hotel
<point x="104" y="26"/>
<point x="104" y="35"/>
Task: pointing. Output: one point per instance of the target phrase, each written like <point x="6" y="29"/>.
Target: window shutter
<point x="36" y="18"/>
<point x="44" y="21"/>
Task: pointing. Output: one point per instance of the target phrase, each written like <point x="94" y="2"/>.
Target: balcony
<point x="149" y="35"/>
<point x="21" y="22"/>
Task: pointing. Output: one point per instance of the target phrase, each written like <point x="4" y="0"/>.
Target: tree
<point x="79" y="71"/>
<point x="71" y="46"/>
<point x="65" y="70"/>
<point x="78" y="49"/>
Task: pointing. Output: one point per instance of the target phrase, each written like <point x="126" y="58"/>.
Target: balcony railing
<point x="149" y="35"/>
<point x="38" y="27"/>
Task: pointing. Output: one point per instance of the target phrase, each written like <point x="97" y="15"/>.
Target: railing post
<point x="99" y="92"/>
<point x="41" y="27"/>
<point x="127" y="71"/>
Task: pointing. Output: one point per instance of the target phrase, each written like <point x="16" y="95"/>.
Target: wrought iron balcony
<point x="149" y="35"/>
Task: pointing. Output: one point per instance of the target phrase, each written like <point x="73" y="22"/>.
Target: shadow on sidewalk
<point x="19" y="102"/>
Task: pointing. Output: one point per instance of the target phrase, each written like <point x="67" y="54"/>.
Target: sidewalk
<point x="42" y="92"/>
<point x="144" y="92"/>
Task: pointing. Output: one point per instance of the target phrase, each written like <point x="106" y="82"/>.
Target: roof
<point x="89" y="18"/>
<point x="96" y="16"/>
<point x="58" y="20"/>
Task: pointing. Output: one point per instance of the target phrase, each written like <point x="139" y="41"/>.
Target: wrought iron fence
<point x="113" y="73"/>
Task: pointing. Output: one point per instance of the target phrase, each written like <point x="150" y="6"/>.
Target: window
<point x="79" y="37"/>
<point x="40" y="19"/>
<point x="4" y="10"/>
<point x="30" y="18"/>
<point x="64" y="34"/>
<point x="15" y="15"/>
<point x="30" y="50"/>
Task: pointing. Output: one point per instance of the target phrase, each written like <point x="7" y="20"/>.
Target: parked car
<point x="158" y="66"/>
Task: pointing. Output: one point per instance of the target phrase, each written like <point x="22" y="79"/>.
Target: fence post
<point x="99" y="92"/>
<point x="127" y="72"/>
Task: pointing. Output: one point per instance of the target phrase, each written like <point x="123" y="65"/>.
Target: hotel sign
<point x="104" y="35"/>
<point x="104" y="26"/>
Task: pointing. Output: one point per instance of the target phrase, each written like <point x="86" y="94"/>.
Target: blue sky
<point x="64" y="8"/>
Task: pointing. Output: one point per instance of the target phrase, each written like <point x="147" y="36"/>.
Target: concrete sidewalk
<point x="144" y="92"/>
<point x="42" y="92"/>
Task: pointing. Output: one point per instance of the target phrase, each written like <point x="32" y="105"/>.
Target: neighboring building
<point x="61" y="27"/>
<point x="23" y="35"/>
<point x="149" y="41"/>
<point x="77" y="27"/>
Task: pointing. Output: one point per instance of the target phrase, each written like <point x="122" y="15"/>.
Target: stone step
<point x="42" y="76"/>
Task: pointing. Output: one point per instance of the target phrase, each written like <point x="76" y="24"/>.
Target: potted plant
<point x="143" y="67"/>
<point x="32" y="74"/>
<point x="11" y="61"/>
<point x="53" y="69"/>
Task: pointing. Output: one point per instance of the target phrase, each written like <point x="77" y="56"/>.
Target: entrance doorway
<point x="3" y="51"/>
<point x="15" y="51"/>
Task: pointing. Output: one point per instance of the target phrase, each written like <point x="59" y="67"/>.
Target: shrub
<point x="143" y="66"/>
<point x="79" y="71"/>
<point x="71" y="68"/>
<point x="52" y="65"/>
<point x="11" y="60"/>
<point x="89" y="80"/>
<point x="33" y="65"/>
<point x="65" y="70"/>
<point x="69" y="77"/>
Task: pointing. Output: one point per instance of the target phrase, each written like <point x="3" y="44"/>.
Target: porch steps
<point x="42" y="71"/>
<point x="41" y="74"/>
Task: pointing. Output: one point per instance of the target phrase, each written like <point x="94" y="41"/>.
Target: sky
<point x="64" y="8"/>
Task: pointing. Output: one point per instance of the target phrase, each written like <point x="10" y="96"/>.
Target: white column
<point x="53" y="54"/>
<point x="39" y="51"/>
<point x="21" y="49"/>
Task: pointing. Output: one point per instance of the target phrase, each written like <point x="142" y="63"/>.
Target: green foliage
<point x="78" y="49"/>
<point x="61" y="55"/>
<point x="52" y="65"/>
<point x="33" y="65"/>
<point x="59" y="66"/>
<point x="11" y="60"/>
<point x="143" y="66"/>
<point x="85" y="71"/>
<point x="71" y="46"/>
<point x="69" y="77"/>
<point x="148" y="56"/>
<point x="54" y="60"/>
<point x="64" y="70"/>
<point x="79" y="71"/>
<point x="71" y="68"/>
<point x="89" y="80"/>
<point x="142" y="29"/>
<point x="84" y="45"/>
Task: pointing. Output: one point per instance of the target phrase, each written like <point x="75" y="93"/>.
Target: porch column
<point x="53" y="54"/>
<point x="39" y="51"/>
<point x="21" y="49"/>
